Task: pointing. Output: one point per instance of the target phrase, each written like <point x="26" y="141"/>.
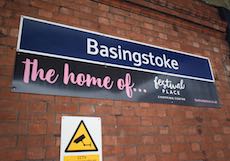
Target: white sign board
<point x="81" y="139"/>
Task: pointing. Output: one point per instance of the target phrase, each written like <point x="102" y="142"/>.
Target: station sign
<point x="58" y="59"/>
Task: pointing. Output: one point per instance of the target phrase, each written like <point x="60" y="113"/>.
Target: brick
<point x="30" y="141"/>
<point x="52" y="153"/>
<point x="146" y="111"/>
<point x="53" y="129"/>
<point x="49" y="140"/>
<point x="195" y="147"/>
<point x="87" y="24"/>
<point x="103" y="20"/>
<point x="163" y="36"/>
<point x="86" y="9"/>
<point x="217" y="138"/>
<point x="226" y="130"/>
<point x="111" y="158"/>
<point x="7" y="62"/>
<point x="2" y="3"/>
<point x="164" y="130"/>
<point x="8" y="142"/>
<point x="166" y="156"/>
<point x="146" y="121"/>
<point x="196" y="44"/>
<point x="119" y="18"/>
<point x="63" y="100"/>
<point x="128" y="121"/>
<point x="215" y="123"/>
<point x="163" y="121"/>
<point x="175" y="113"/>
<point x="130" y="150"/>
<point x="13" y="128"/>
<point x="165" y="139"/>
<point x="6" y="12"/>
<point x="14" y="32"/>
<point x="5" y="76"/>
<point x="93" y="18"/>
<point x="122" y="104"/>
<point x="215" y="49"/>
<point x="103" y="110"/>
<point x="148" y="26"/>
<point x="8" y="116"/>
<point x="4" y="49"/>
<point x="13" y="154"/>
<point x="63" y="107"/>
<point x="161" y="24"/>
<point x="110" y="140"/>
<point x="8" y="41"/>
<point x="148" y="149"/>
<point x="37" y="117"/>
<point x="39" y="107"/>
<point x="148" y="140"/>
<point x="150" y="157"/>
<point x="181" y="147"/>
<point x="128" y="111"/>
<point x="109" y="120"/>
<point x="109" y="130"/>
<point x="128" y="140"/>
<point x="57" y="141"/>
<point x="220" y="154"/>
<point x="66" y="11"/>
<point x="118" y="11"/>
<point x="129" y="157"/>
<point x="44" y="5"/>
<point x="108" y="150"/>
<point x="3" y="31"/>
<point x="37" y="128"/>
<point x="24" y="2"/>
<point x="132" y="130"/>
<point x="124" y="26"/>
<point x="189" y="115"/>
<point x="87" y="109"/>
<point x="58" y="117"/>
<point x="174" y="45"/>
<point x="182" y="156"/>
<point x="35" y="153"/>
<point x="166" y="148"/>
<point x="161" y="113"/>
<point x="196" y="138"/>
<point x="25" y="97"/>
<point x="180" y="139"/>
<point x="20" y="8"/>
<point x="11" y="106"/>
<point x="103" y="7"/>
<point x="113" y="150"/>
<point x="45" y="13"/>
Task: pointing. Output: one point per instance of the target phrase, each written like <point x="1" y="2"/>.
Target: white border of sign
<point x="108" y="64"/>
<point x="69" y="124"/>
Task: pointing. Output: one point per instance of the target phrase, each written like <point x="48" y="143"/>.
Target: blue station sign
<point x="57" y="59"/>
<point x="61" y="41"/>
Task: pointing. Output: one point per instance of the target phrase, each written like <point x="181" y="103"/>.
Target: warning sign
<point x="82" y="158"/>
<point x="81" y="139"/>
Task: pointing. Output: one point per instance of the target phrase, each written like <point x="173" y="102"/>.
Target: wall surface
<point x="30" y="124"/>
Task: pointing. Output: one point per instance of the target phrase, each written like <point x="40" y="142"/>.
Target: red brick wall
<point x="30" y="124"/>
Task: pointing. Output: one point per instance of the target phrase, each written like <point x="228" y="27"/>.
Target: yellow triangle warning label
<point x="81" y="140"/>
